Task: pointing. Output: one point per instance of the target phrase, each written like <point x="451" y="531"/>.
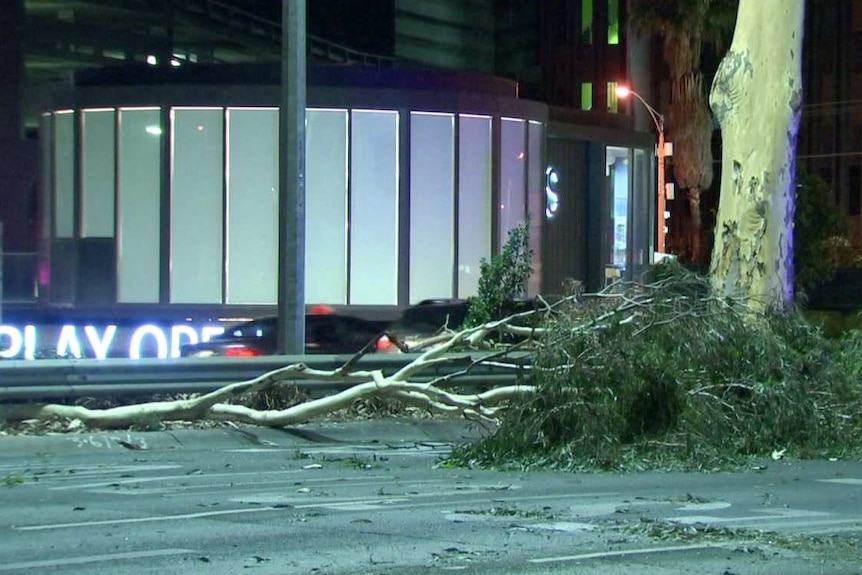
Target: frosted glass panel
<point x="97" y="174"/>
<point x="197" y="212"/>
<point x="138" y="206"/>
<point x="252" y="207"/>
<point x="535" y="201"/>
<point x="512" y="167"/>
<point x="326" y="206"/>
<point x="64" y="175"/>
<point x="618" y="188"/>
<point x="432" y="226"/>
<point x="474" y="200"/>
<point x="374" y="207"/>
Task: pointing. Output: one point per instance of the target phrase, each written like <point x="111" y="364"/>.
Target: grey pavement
<point x="370" y="497"/>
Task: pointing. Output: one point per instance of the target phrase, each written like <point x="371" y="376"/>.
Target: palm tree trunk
<point x="696" y="224"/>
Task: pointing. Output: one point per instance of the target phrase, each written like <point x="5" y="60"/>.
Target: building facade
<point x="158" y="185"/>
<point x="830" y="134"/>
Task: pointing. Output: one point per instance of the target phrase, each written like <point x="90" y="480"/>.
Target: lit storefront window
<point x="97" y="173"/>
<point x="182" y="203"/>
<point x="618" y="177"/>
<point x="139" y="163"/>
<point x="251" y="220"/>
<point x="326" y="177"/>
<point x="474" y="199"/>
<point x="432" y="205"/>
<point x="374" y="181"/>
<point x="197" y="205"/>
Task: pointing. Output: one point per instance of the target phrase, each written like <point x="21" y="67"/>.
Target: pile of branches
<point x="664" y="374"/>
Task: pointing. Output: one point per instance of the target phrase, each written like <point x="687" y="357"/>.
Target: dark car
<point x="430" y="317"/>
<point x="326" y="331"/>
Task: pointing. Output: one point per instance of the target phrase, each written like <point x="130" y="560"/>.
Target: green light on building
<point x="587" y="21"/>
<point x="613" y="101"/>
<point x="586" y="96"/>
<point x="613" y="21"/>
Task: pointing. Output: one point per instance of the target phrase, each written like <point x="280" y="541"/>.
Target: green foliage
<point x="13" y="479"/>
<point x="820" y="234"/>
<point x="679" y="379"/>
<point x="502" y="279"/>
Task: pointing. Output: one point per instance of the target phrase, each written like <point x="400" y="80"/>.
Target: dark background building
<point x="830" y="136"/>
<point x="566" y="54"/>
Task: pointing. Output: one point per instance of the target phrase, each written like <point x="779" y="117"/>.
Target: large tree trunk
<point x="757" y="98"/>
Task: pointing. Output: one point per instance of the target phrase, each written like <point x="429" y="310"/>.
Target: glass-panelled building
<point x="161" y="189"/>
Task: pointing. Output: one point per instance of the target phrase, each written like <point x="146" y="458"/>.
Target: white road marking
<point x="279" y="487"/>
<point x="331" y="503"/>
<point x="712" y="506"/>
<point x="341" y="502"/>
<point x="824" y="525"/>
<point x="185" y="476"/>
<point x="622" y="553"/>
<point x="562" y="526"/>
<point x="844" y="481"/>
<point x="55" y="474"/>
<point x="393" y="504"/>
<point x="765" y="515"/>
<point x="151" y="519"/>
<point x="65" y="561"/>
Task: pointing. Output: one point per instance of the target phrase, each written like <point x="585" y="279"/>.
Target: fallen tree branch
<point x="221" y="404"/>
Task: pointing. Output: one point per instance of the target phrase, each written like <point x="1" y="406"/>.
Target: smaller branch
<point x="350" y="363"/>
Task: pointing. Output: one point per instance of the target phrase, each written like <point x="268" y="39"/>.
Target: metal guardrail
<point x="58" y="379"/>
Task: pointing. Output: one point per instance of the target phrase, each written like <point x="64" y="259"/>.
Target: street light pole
<point x="658" y="120"/>
<point x="291" y="181"/>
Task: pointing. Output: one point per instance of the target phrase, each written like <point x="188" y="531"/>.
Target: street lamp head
<point x="624" y="92"/>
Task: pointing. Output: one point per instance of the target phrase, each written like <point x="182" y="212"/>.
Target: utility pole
<point x="291" y="186"/>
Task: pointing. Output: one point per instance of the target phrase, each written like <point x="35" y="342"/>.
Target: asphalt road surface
<point x="371" y="498"/>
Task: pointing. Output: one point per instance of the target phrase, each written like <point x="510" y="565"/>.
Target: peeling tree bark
<point x="757" y="98"/>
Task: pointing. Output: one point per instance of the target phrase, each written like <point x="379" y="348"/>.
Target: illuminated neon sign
<point x="147" y="340"/>
<point x="552" y="197"/>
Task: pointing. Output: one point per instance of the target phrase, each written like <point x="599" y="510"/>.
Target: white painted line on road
<point x="622" y="553"/>
<point x="393" y="501"/>
<point x="78" y="473"/>
<point x="843" y="481"/>
<point x="151" y="519"/>
<point x="185" y="477"/>
<point x="766" y="515"/>
<point x="395" y="506"/>
<point x="283" y="507"/>
<point x="823" y="525"/>
<point x="371" y="505"/>
<point x="711" y="506"/>
<point x="66" y="561"/>
<point x="258" y="488"/>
